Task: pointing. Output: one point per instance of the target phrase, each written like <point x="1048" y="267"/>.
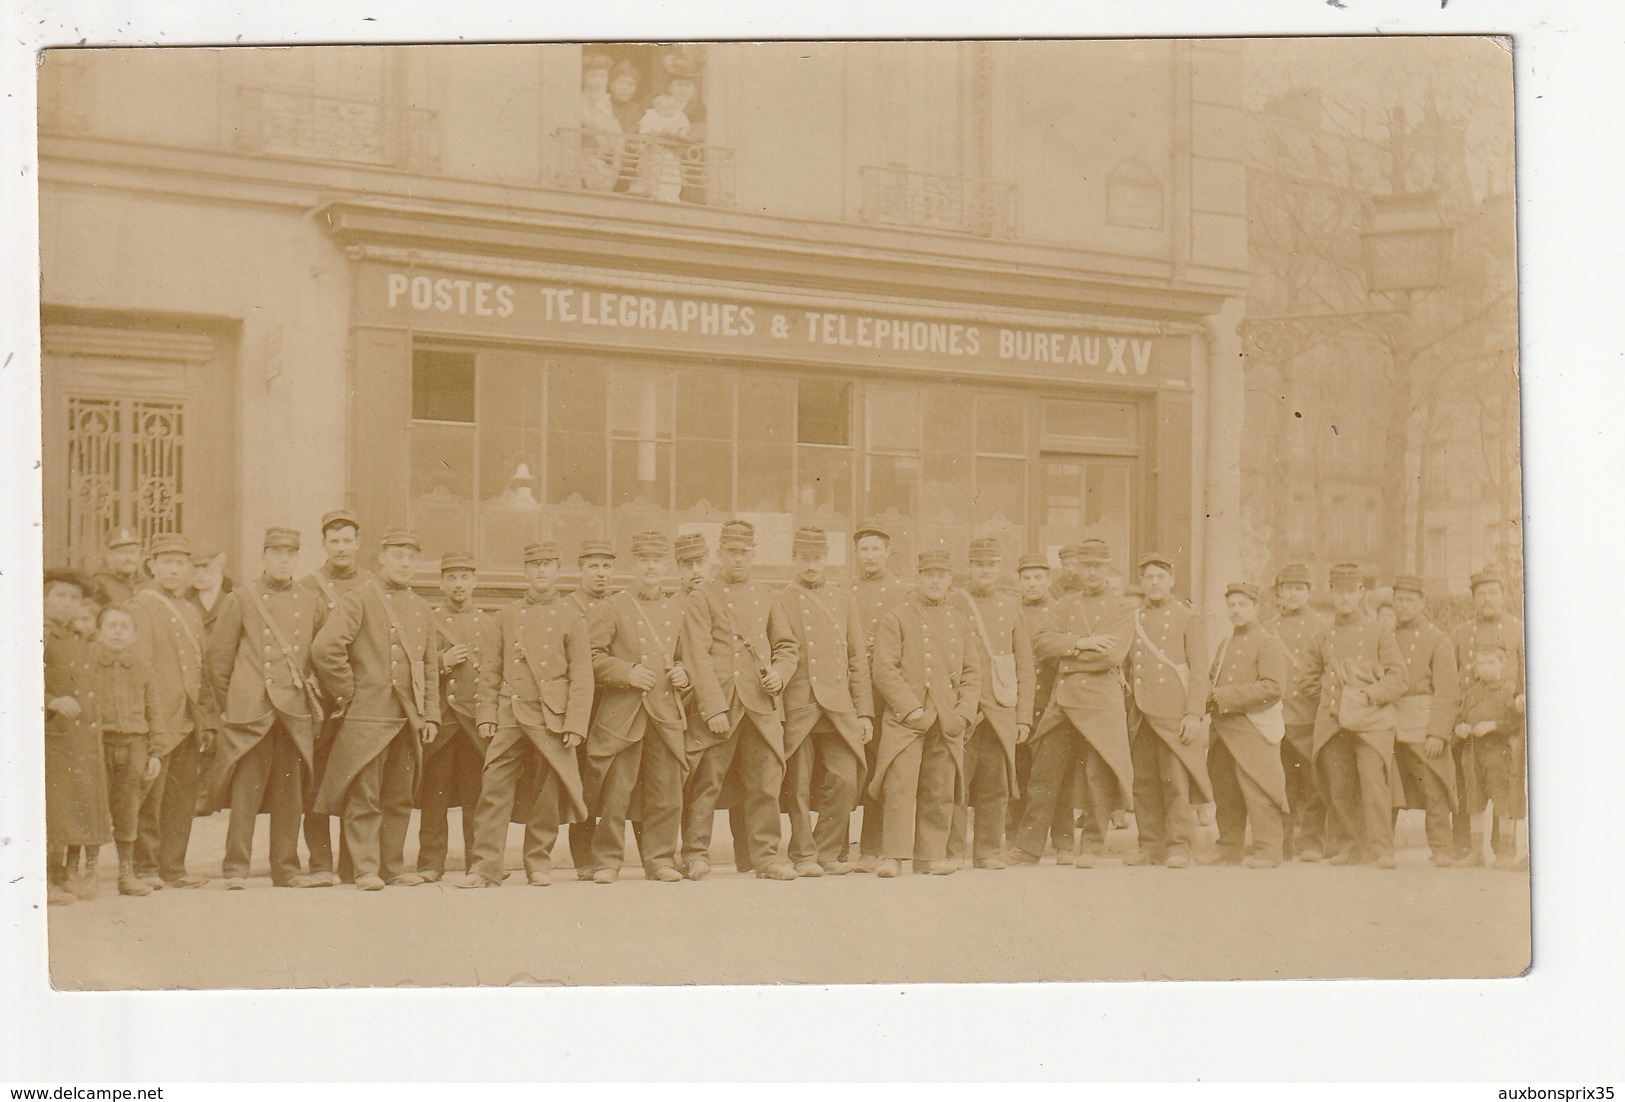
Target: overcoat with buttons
<point x="1250" y="669"/>
<point x="537" y="684"/>
<point x="632" y="631"/>
<point x="1164" y="692"/>
<point x="169" y="637"/>
<point x="460" y="684"/>
<point x="875" y="597"/>
<point x="1504" y="631"/>
<point x="924" y="658"/>
<point x="1089" y="690"/>
<point x="76" y="809"/>
<point x="1033" y="613"/>
<point x="832" y="671"/>
<point x="250" y="672"/>
<point x="1357" y="656"/>
<point x="1297" y="631"/>
<point x="382" y="679"/>
<point x="731" y="634"/>
<point x="1007" y="631"/>
<point x="1428" y="708"/>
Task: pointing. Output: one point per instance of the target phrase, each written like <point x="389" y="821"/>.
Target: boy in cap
<point x="127" y="711"/>
<point x="1491" y="625"/>
<point x="596" y="561"/>
<point x="1168" y="674"/>
<point x="635" y="752"/>
<point x="76" y="813"/>
<point x="877" y="591"/>
<point x="259" y="664"/>
<point x="1249" y="782"/>
<point x="378" y="662"/>
<point x="453" y="762"/>
<point x="1426" y="713"/>
<point x="740" y="653"/>
<point x="170" y="638"/>
<point x="535" y="696"/>
<point x="1088" y="632"/>
<point x="1296" y="625"/>
<point x="122" y="575"/>
<point x="828" y="710"/>
<point x="1004" y="654"/>
<point x="925" y="666"/>
<point x="338" y="574"/>
<point x="1485" y="725"/>
<point x="1354" y="672"/>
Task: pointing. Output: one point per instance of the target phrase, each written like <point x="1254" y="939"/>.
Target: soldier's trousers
<point x="1305" y="824"/>
<point x="822" y="773"/>
<point x="496" y="809"/>
<point x="164" y="829"/>
<point x="580" y="834"/>
<point x="1435" y="799"/>
<point x="451" y="777"/>
<point x="318" y="828"/>
<point x="874" y="807"/>
<point x="647" y="768"/>
<point x="125" y="758"/>
<point x="1239" y="800"/>
<point x="747" y="755"/>
<point x="1063" y="826"/>
<point x="987" y="783"/>
<point x="378" y="809"/>
<point x="273" y="763"/>
<point x="919" y="797"/>
<point x="1162" y="796"/>
<point x="1362" y="801"/>
<point x="1059" y="754"/>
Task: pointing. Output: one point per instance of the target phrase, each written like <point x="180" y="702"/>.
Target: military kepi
<point x="339" y="518"/>
<point x="170" y="543"/>
<point x="872" y="527"/>
<point x="1032" y="562"/>
<point x="283" y="539"/>
<point x="1157" y="558"/>
<point x="689" y="546"/>
<point x="122" y="537"/>
<point x="1293" y="574"/>
<point x="933" y="560"/>
<point x="544" y="551"/>
<point x="739" y="535"/>
<point x="591" y="548"/>
<point x="985" y="550"/>
<point x="1346" y="575"/>
<point x="401" y="537"/>
<point x="1095" y="550"/>
<point x="1486" y="577"/>
<point x="457" y="560"/>
<point x="810" y="540"/>
<point x="1407" y="583"/>
<point x="1246" y="589"/>
<point x="650" y="543"/>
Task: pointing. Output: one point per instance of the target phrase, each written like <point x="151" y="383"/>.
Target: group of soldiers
<point x="971" y="724"/>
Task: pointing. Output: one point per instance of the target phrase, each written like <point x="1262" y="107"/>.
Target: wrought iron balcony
<point x="664" y="169"/>
<point x="895" y="196"/>
<point x="332" y="128"/>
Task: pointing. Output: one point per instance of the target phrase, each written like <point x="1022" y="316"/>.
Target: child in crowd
<point x="127" y="707"/>
<point x="82" y="877"/>
<point x="1487" y="721"/>
<point x="75" y="788"/>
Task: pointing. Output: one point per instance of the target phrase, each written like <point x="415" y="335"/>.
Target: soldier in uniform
<point x="122" y="575"/>
<point x="453" y="762"/>
<point x="1249" y="782"/>
<point x="828" y="710"/>
<point x="1296" y="625"/>
<point x="925" y="667"/>
<point x="740" y="654"/>
<point x="877" y="591"/>
<point x="1089" y="633"/>
<point x="596" y="561"/>
<point x="1168" y="670"/>
<point x="1004" y="653"/>
<point x="338" y="574"/>
<point x="635" y="751"/>
<point x="1354" y="672"/>
<point x="1491" y="624"/>
<point x="76" y="802"/>
<point x="209" y="584"/>
<point x="1427" y="712"/>
<point x="169" y="636"/>
<point x="693" y="560"/>
<point x="535" y="698"/>
<point x="259" y="665"/>
<point x="1070" y="578"/>
<point x="1033" y="581"/>
<point x="379" y="663"/>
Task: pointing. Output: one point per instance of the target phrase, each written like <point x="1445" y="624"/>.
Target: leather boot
<point x="82" y="882"/>
<point x="128" y="882"/>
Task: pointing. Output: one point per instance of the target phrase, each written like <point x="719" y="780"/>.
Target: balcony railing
<point x="934" y="201"/>
<point x="356" y="131"/>
<point x="664" y="169"/>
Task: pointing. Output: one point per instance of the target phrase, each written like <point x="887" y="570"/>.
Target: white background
<point x="1562" y="1022"/>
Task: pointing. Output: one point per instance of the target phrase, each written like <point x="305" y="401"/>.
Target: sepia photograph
<point x="782" y="512"/>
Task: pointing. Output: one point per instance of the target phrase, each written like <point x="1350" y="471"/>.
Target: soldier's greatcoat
<point x="169" y="638"/>
<point x="382" y="677"/>
<point x="1250" y="669"/>
<point x="924" y="658"/>
<point x="1089" y="690"/>
<point x="1171" y="685"/>
<point x="460" y="684"/>
<point x="259" y="682"/>
<point x="628" y="632"/>
<point x="731" y="635"/>
<point x="537" y="684"/>
<point x="1428" y="708"/>
<point x="1356" y="670"/>
<point x="1007" y="631"/>
<point x="832" y="670"/>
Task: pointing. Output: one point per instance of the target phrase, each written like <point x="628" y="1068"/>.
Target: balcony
<point x="895" y="196"/>
<point x="662" y="169"/>
<point x="296" y="123"/>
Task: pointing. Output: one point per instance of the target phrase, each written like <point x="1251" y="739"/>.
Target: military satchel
<point x="1365" y="716"/>
<point x="1005" y="689"/>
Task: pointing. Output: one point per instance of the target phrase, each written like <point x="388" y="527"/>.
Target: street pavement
<point x="1052" y="922"/>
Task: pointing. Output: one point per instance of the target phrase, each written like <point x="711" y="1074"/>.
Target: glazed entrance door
<point x="1083" y="496"/>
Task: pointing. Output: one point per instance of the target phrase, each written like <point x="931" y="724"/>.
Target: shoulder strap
<point x="1162" y="656"/>
<point x="415" y="661"/>
<point x="821" y="607"/>
<point x="981" y="625"/>
<point x="668" y="648"/>
<point x="299" y="678"/>
<point x="197" y="648"/>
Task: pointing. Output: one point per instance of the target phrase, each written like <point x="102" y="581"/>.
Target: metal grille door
<point x="126" y="466"/>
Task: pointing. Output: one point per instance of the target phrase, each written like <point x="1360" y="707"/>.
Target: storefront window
<point x="442" y="486"/>
<point x="577" y="454"/>
<point x="510" y="454"/>
<point x="640" y="473"/>
<point x="946" y="517"/>
<point x="705" y="447"/>
<point x="824" y="460"/>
